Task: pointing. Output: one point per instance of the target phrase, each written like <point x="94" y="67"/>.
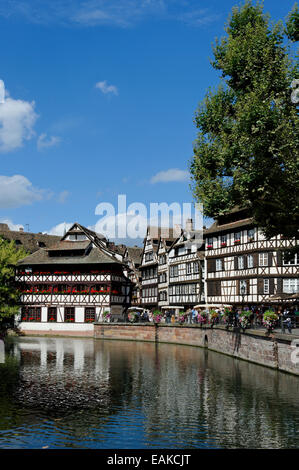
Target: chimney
<point x="189" y="225"/>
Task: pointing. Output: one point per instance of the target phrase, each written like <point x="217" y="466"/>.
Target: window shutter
<point x="211" y="265"/>
<point x="210" y="287"/>
<point x="260" y="286"/>
<point x="247" y="287"/>
<point x="236" y="262"/>
<point x="218" y="287"/>
<point x="238" y="286"/>
<point x="245" y="262"/>
<point x="279" y="258"/>
<point x="271" y="285"/>
<point x="255" y="259"/>
<point x="270" y="258"/>
<point x="279" y="285"/>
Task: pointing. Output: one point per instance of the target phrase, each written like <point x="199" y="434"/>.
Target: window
<point x="250" y="235"/>
<point x="89" y="314"/>
<point x="291" y="286"/>
<point x="196" y="267"/>
<point x="266" y="286"/>
<point x="243" y="287"/>
<point x="149" y="256"/>
<point x="162" y="259"/>
<point x="218" y="264"/>
<point x="250" y="261"/>
<point x="223" y="240"/>
<point x="174" y="271"/>
<point x="193" y="289"/>
<point x="52" y="314"/>
<point x="210" y="243"/>
<point x="240" y="262"/>
<point x="69" y="314"/>
<point x="293" y="260"/>
<point x="31" y="314"/>
<point x="41" y="244"/>
<point x="188" y="268"/>
<point x="237" y="237"/>
<point x="263" y="259"/>
<point x="163" y="295"/>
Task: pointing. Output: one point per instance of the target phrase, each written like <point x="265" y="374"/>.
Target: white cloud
<point x="106" y="89"/>
<point x="43" y="142"/>
<point x="17" y="191"/>
<point x="59" y="229"/>
<point x="17" y="119"/>
<point x="171" y="175"/>
<point x="119" y="13"/>
<point x="62" y="197"/>
<point x="11" y="225"/>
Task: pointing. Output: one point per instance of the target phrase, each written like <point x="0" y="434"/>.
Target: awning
<point x="282" y="297"/>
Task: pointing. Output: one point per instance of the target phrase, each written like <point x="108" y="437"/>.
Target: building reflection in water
<point x="115" y="394"/>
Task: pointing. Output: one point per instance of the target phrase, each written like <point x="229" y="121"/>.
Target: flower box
<point x="237" y="242"/>
<point x="223" y="244"/>
<point x="209" y="247"/>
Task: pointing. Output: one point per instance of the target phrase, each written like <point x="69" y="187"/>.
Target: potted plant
<point x="106" y="316"/>
<point x="244" y="319"/>
<point x="269" y="320"/>
<point x="182" y="317"/>
<point x="157" y="316"/>
<point x="214" y="317"/>
<point x="132" y="317"/>
<point x="202" y="318"/>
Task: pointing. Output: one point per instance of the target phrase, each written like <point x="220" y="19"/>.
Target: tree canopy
<point x="246" y="151"/>
<point x="9" y="255"/>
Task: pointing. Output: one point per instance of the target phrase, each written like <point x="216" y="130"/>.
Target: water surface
<point x="86" y="393"/>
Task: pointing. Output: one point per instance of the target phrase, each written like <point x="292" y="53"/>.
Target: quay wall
<point x="56" y="329"/>
<point x="274" y="350"/>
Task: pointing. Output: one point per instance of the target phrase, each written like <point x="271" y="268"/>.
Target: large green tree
<point x="9" y="297"/>
<point x="246" y="152"/>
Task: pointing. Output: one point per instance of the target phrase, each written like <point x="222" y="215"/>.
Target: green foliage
<point x="292" y="24"/>
<point x="9" y="255"/>
<point x="246" y="152"/>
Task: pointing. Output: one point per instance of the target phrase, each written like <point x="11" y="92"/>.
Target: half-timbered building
<point x="150" y="262"/>
<point x="71" y="284"/>
<point x="132" y="259"/>
<point x="186" y="269"/>
<point x="242" y="267"/>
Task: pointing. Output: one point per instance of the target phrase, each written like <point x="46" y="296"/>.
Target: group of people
<point x="287" y="316"/>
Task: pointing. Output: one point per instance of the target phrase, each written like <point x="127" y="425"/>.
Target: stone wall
<point x="254" y="345"/>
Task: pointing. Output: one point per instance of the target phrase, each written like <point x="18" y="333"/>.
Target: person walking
<point x="194" y="316"/>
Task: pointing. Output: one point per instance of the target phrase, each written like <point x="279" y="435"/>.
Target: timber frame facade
<point x="242" y="267"/>
<point x="74" y="281"/>
<point x="172" y="268"/>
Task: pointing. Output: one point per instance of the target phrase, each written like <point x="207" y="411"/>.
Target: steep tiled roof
<point x="31" y="242"/>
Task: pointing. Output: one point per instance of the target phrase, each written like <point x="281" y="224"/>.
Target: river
<point x="86" y="393"/>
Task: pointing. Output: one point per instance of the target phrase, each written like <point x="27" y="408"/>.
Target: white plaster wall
<point x="45" y="326"/>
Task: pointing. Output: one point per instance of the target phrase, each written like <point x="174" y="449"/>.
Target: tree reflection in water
<point x="65" y="392"/>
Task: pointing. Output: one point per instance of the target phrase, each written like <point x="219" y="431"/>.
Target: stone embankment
<point x="275" y="350"/>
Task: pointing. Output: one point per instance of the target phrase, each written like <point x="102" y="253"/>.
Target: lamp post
<point x="243" y="292"/>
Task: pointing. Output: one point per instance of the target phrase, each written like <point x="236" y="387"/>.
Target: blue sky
<point x="100" y="99"/>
